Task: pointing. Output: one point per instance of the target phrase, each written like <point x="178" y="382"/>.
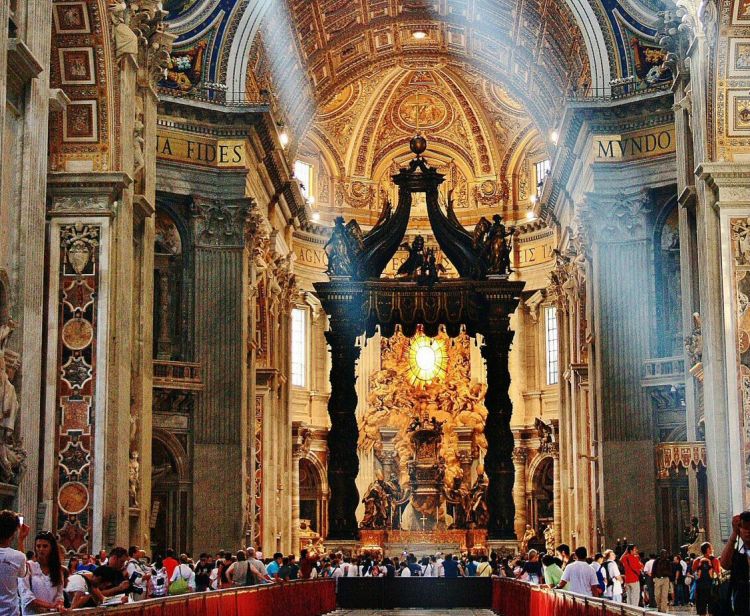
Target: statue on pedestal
<point x="395" y="495"/>
<point x="460" y="498"/>
<point x="528" y="535"/>
<point x="479" y="514"/>
<point x="134" y="478"/>
<point x="376" y="502"/>
<point x="549" y="539"/>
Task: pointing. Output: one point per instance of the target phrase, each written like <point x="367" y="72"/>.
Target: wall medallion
<point x="73" y="497"/>
<point x="342" y="101"/>
<point x="77" y="334"/>
<point x="422" y="110"/>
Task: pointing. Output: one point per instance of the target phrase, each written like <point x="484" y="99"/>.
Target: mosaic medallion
<point x="77" y="334"/>
<point x="73" y="497"/>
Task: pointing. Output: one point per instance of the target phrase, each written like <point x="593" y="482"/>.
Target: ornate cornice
<point x="85" y="194"/>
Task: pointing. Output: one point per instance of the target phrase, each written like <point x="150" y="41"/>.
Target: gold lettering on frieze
<point x="311" y="256"/>
<point x="200" y="151"/>
<point x="535" y="253"/>
<point x="634" y="146"/>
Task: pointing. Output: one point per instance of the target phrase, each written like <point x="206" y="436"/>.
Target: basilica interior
<point x="375" y="273"/>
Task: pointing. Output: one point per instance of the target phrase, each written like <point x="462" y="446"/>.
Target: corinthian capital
<point x="220" y="223"/>
<point x="138" y="30"/>
<point x="615" y="218"/>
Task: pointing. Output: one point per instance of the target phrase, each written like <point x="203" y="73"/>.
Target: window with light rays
<point x="550" y="318"/>
<point x="304" y="173"/>
<point x="427" y="360"/>
<point x="299" y="347"/>
<point x="541" y="170"/>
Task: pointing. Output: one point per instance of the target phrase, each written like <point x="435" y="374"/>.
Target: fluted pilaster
<point x="220" y="345"/>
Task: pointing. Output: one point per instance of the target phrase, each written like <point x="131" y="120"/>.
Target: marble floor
<point x="677" y="611"/>
<point x="414" y="612"/>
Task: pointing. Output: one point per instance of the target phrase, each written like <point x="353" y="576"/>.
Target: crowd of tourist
<point x="44" y="580"/>
<point x="713" y="585"/>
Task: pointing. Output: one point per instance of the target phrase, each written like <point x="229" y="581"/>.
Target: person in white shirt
<point x="612" y="577"/>
<point x="41" y="590"/>
<point x="184" y="571"/>
<point x="12" y="562"/>
<point x="579" y="577"/>
<point x="158" y="579"/>
<point x="138" y="574"/>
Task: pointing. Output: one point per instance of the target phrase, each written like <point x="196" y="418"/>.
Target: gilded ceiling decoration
<point x="539" y="48"/>
<point x="360" y="138"/>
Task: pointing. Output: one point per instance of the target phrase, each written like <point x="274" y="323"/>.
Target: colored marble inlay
<point x="76" y="362"/>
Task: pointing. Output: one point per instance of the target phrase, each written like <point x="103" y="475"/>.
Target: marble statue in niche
<point x="12" y="455"/>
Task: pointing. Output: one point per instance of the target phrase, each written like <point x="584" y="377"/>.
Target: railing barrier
<point x="299" y="598"/>
<point x="512" y="597"/>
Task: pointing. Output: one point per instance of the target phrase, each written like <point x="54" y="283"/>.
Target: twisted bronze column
<point x="498" y="462"/>
<point x="343" y="461"/>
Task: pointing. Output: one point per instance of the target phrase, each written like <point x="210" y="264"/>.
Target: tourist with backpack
<point x="596" y="565"/>
<point x="706" y="569"/>
<point x="613" y="579"/>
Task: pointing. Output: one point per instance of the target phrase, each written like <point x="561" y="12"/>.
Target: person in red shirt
<point x="631" y="561"/>
<point x="306" y="564"/>
<point x="170" y="563"/>
<point x="705" y="569"/>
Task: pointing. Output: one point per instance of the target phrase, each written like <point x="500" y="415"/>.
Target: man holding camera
<point x="12" y="562"/>
<point x="736" y="559"/>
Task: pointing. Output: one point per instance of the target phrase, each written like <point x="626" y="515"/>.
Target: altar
<point x="424" y="543"/>
<point x="437" y="440"/>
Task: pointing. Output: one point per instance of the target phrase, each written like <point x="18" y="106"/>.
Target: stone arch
<point x="313" y="491"/>
<point x="320" y="469"/>
<point x="177" y="452"/>
<point x="540" y="492"/>
<point x="171" y="494"/>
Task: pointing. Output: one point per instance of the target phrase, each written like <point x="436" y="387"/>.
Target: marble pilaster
<point x="618" y="228"/>
<point x="83" y="398"/>
<point x="520" y="455"/>
<point x="31" y="217"/>
<point x="722" y="226"/>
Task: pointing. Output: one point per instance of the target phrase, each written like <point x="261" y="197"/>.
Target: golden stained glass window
<point x="427" y="360"/>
